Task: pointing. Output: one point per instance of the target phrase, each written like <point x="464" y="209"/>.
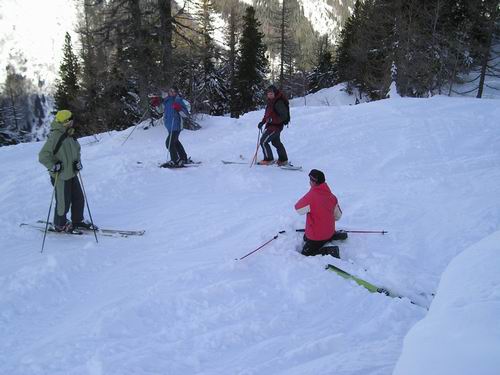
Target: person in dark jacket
<point x="277" y="114"/>
<point x="322" y="210"/>
<point x="61" y="156"/>
<point x="174" y="108"/>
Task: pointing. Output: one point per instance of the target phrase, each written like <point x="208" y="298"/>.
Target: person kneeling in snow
<point x="322" y="210"/>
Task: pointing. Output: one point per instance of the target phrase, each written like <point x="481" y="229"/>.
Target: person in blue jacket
<point x="174" y="108"/>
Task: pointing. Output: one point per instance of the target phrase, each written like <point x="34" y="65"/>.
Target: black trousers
<point x="174" y="146"/>
<point x="312" y="248"/>
<point x="68" y="195"/>
<point x="273" y="137"/>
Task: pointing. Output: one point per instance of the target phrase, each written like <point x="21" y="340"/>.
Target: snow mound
<point x="461" y="333"/>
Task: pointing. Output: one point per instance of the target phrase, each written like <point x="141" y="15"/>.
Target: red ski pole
<point x="254" y="159"/>
<point x="261" y="246"/>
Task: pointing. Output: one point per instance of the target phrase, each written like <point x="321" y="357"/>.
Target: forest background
<point x="222" y="54"/>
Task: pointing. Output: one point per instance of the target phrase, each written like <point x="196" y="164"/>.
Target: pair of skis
<point x="166" y="165"/>
<point x="289" y="167"/>
<point x="40" y="226"/>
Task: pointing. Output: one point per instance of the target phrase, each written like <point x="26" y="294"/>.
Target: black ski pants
<point x="273" y="137"/>
<point x="312" y="248"/>
<point x="68" y="195"/>
<point x="174" y="146"/>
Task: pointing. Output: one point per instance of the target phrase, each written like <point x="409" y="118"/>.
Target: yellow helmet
<point x="64" y="116"/>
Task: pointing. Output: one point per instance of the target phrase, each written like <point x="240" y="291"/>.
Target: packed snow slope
<point x="175" y="301"/>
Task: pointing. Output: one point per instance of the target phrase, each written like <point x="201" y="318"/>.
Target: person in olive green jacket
<point x="61" y="156"/>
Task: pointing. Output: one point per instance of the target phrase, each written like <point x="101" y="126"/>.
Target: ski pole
<point x="367" y="231"/>
<point x="88" y="208"/>
<point x="354" y="231"/>
<point x="261" y="246"/>
<point x="50" y="209"/>
<point x="138" y="122"/>
<point x="256" y="149"/>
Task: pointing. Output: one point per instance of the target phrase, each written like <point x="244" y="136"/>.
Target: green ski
<point x="365" y="284"/>
<point x="370" y="287"/>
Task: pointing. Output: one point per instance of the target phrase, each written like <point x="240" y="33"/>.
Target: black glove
<point x="57" y="167"/>
<point x="77" y="165"/>
<point x="261" y="124"/>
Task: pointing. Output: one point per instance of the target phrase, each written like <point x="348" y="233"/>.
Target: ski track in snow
<point x="176" y="302"/>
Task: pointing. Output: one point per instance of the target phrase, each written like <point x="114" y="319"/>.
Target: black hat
<point x="175" y="88"/>
<point x="272" y="88"/>
<point x="317" y="176"/>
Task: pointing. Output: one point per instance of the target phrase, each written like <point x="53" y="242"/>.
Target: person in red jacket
<point x="277" y="115"/>
<point x="322" y="210"/>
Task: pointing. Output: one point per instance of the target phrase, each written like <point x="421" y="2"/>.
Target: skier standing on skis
<point x="277" y="115"/>
<point x="174" y="108"/>
<point x="61" y="156"/>
<point x="322" y="210"/>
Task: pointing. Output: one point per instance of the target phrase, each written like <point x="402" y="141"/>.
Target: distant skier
<point x="61" y="156"/>
<point x="277" y="115"/>
<point x="322" y="210"/>
<point x="174" y="108"/>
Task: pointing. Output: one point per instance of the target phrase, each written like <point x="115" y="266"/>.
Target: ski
<point x="368" y="286"/>
<point x="50" y="229"/>
<point x="104" y="231"/>
<point x="164" y="165"/>
<point x="289" y="167"/>
<point x="190" y="162"/>
<point x="233" y="162"/>
<point x="346" y="275"/>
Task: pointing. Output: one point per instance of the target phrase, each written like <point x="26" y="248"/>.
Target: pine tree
<point x="365" y="50"/>
<point x="15" y="100"/>
<point x="230" y="68"/>
<point x="324" y="73"/>
<point x="252" y="64"/>
<point x="488" y="54"/>
<point x="346" y="59"/>
<point x="210" y="82"/>
<point x="67" y="87"/>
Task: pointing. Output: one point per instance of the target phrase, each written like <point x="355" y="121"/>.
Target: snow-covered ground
<point x="175" y="301"/>
<point x="460" y="334"/>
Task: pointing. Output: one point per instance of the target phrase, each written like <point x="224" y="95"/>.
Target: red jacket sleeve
<point x="302" y="205"/>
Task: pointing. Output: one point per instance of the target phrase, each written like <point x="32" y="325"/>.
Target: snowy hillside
<point x="175" y="301"/>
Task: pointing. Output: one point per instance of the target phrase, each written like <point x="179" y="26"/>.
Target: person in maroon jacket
<point x="322" y="210"/>
<point x="277" y="115"/>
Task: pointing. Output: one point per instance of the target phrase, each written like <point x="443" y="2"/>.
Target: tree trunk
<point x="487" y="48"/>
<point x="140" y="59"/>
<point x="282" y="62"/>
<point x="166" y="27"/>
<point x="232" y="64"/>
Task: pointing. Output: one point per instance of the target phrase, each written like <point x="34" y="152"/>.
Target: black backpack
<point x="286" y="121"/>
